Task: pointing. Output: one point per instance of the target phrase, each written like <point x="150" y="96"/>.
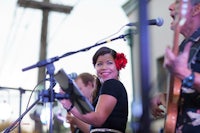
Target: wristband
<point x="70" y="108"/>
<point x="188" y="81"/>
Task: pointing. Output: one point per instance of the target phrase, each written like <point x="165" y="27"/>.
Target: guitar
<point x="64" y="119"/>
<point x="175" y="83"/>
<point x="72" y="129"/>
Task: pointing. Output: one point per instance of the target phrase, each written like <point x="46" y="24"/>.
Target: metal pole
<point x="20" y="107"/>
<point x="144" y="65"/>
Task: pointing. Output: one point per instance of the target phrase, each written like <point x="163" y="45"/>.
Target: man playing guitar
<point x="184" y="66"/>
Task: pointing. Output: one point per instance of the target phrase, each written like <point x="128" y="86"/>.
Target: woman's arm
<point x="105" y="106"/>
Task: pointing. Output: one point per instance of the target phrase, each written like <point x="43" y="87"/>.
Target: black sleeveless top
<point x="119" y="116"/>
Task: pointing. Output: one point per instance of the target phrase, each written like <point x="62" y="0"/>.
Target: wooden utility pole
<point x="45" y="6"/>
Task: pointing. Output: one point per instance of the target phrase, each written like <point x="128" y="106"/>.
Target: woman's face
<point x="106" y="68"/>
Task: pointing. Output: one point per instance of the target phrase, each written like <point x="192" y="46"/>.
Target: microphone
<point x="158" y="21"/>
<point x="73" y="75"/>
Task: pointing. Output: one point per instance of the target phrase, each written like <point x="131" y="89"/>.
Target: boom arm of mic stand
<point x="56" y="58"/>
<point x="97" y="44"/>
<point x="42" y="63"/>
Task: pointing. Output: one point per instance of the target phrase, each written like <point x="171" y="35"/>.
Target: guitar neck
<point x="175" y="83"/>
<point x="175" y="48"/>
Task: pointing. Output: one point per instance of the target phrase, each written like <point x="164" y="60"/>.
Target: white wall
<point x="162" y="36"/>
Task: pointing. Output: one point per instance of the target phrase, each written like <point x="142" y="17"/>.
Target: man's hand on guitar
<point x="158" y="104"/>
<point x="177" y="64"/>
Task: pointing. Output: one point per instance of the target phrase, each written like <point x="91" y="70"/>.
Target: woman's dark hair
<point x="103" y="51"/>
<point x="96" y="92"/>
<point x="99" y="52"/>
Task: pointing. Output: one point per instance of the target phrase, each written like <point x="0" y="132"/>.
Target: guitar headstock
<point x="181" y="8"/>
<point x="181" y="11"/>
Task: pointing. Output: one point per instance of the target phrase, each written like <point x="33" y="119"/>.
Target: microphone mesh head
<point x="159" y="21"/>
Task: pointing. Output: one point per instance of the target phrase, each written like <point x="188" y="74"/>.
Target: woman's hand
<point x="66" y="103"/>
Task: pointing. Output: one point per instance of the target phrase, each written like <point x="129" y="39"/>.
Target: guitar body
<point x="175" y="83"/>
<point x="172" y="105"/>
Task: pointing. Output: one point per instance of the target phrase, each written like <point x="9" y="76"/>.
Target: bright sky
<point x="89" y="22"/>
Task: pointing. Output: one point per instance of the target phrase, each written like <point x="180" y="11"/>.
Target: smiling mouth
<point x="104" y="73"/>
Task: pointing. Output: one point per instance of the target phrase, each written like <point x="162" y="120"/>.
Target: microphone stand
<point x="8" y="129"/>
<point x="49" y="95"/>
<point x="46" y="96"/>
<point x="50" y="70"/>
<point x="22" y="91"/>
<point x="20" y="109"/>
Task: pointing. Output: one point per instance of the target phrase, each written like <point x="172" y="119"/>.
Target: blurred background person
<point x="86" y="83"/>
<point x="185" y="67"/>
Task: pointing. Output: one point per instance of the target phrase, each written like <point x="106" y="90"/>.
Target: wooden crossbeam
<point x="45" y="5"/>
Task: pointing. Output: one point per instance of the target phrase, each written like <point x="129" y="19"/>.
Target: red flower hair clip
<point x="120" y="61"/>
